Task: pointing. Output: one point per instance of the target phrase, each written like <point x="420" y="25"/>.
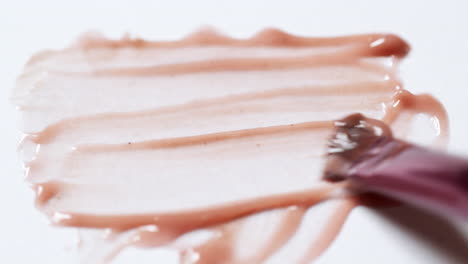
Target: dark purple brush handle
<point x="364" y="151"/>
<point x="415" y="175"/>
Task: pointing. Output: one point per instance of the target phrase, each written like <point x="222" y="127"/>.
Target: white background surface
<point x="438" y="64"/>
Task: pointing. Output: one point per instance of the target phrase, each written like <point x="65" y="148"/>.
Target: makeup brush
<point x="364" y="152"/>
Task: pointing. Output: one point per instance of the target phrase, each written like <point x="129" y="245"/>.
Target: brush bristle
<point x="353" y="136"/>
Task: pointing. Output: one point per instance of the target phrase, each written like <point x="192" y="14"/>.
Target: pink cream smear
<point x="209" y="145"/>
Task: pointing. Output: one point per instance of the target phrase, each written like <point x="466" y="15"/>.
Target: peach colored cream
<point x="209" y="145"/>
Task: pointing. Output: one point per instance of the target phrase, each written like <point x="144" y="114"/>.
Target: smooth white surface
<point x="438" y="64"/>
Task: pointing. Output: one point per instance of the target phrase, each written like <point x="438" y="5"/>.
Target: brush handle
<point x="415" y="175"/>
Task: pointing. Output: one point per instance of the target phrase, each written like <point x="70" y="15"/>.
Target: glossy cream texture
<point x="211" y="145"/>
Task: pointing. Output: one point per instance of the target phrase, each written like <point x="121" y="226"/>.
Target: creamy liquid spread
<point x="210" y="145"/>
